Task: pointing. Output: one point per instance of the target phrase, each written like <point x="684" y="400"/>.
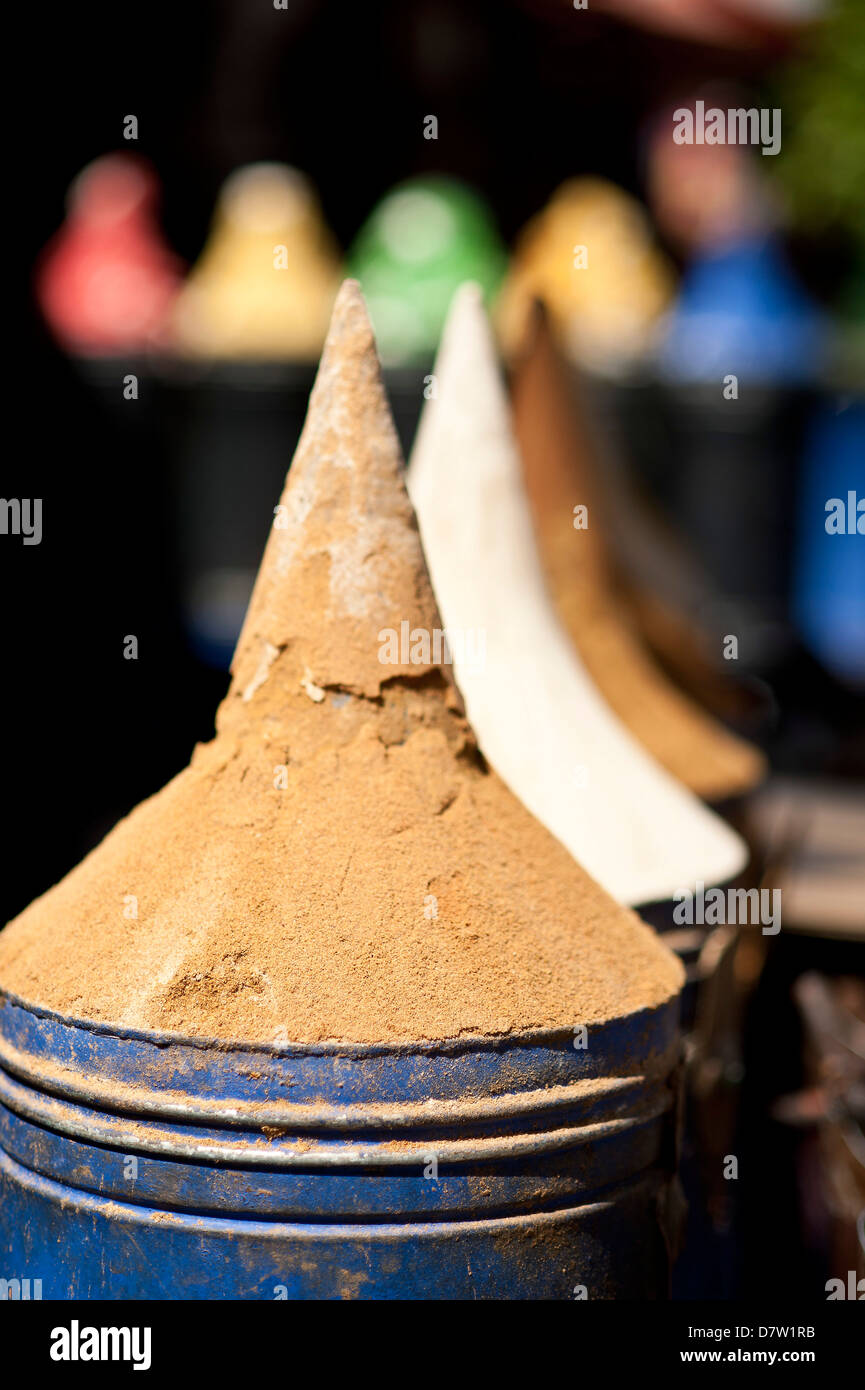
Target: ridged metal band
<point x="115" y="1132"/>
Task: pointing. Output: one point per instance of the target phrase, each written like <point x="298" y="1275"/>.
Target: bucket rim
<point x="463" y="1043"/>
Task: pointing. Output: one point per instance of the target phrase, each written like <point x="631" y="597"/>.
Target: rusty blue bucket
<point x="135" y="1165"/>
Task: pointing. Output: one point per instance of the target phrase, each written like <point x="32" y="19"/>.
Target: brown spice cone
<point x="558" y="467"/>
<point x="338" y="864"/>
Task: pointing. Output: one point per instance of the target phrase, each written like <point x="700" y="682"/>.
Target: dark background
<point x="525" y="95"/>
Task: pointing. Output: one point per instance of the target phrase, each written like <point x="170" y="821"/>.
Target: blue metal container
<point x="686" y="943"/>
<point x="137" y="1165"/>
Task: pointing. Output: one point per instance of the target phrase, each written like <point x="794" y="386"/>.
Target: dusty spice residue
<point x="558" y="468"/>
<point x="338" y="863"/>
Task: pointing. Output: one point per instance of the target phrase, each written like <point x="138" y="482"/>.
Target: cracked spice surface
<point x="338" y="864"/>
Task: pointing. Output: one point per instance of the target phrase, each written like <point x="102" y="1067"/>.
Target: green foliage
<point x="822" y="99"/>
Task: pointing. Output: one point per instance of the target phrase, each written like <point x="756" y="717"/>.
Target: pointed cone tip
<point x="467" y="321"/>
<point x="349" y="295"/>
<point x="347" y="544"/>
<point x="350" y="316"/>
<point x="467" y="297"/>
<point x="471" y="386"/>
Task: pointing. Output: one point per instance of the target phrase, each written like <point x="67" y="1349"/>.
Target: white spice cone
<point x="539" y="718"/>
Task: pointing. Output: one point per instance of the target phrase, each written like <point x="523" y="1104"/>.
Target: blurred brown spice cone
<point x="559" y="464"/>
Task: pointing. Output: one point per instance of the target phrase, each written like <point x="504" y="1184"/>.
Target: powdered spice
<point x="556" y="455"/>
<point x="338" y="863"/>
<point x="539" y="718"/>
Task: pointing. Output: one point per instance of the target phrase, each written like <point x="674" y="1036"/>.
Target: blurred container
<point x="423" y="240"/>
<point x="107" y="280"/>
<point x="264" y="285"/>
<point x="248" y="327"/>
<point x="740" y="311"/>
<point x="234" y="428"/>
<point x="590" y="257"/>
<point x="830" y="566"/>
<point x="741" y="351"/>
